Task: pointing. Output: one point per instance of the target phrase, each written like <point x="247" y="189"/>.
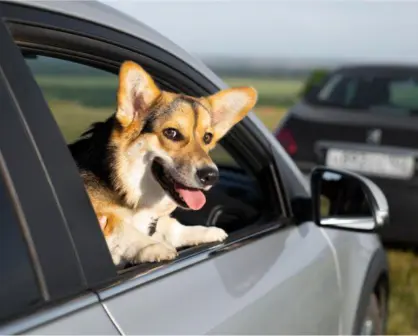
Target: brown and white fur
<point x="154" y="149"/>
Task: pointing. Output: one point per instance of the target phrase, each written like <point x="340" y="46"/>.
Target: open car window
<point x="79" y="95"/>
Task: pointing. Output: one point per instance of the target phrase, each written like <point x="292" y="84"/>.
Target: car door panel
<point x="92" y="321"/>
<point x="89" y="320"/>
<point x="270" y="285"/>
<point x="355" y="252"/>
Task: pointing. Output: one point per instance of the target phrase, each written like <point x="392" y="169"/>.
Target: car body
<point x="363" y="117"/>
<point x="280" y="271"/>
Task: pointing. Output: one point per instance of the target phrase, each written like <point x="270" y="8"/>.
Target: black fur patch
<point x="92" y="152"/>
<point x="152" y="227"/>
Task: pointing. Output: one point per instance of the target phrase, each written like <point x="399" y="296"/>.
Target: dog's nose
<point x="207" y="176"/>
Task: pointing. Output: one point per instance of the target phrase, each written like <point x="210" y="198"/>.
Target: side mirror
<point x="347" y="200"/>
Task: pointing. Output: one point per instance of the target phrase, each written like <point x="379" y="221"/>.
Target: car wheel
<point x="373" y="322"/>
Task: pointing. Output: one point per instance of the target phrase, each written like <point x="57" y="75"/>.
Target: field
<point x="77" y="101"/>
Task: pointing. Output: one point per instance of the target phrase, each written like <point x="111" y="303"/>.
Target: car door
<point x="272" y="275"/>
<point x="43" y="287"/>
<point x="283" y="283"/>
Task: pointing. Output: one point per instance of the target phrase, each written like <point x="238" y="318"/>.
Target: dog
<point x="150" y="157"/>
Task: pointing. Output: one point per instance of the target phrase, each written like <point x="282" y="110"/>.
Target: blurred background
<point x="288" y="51"/>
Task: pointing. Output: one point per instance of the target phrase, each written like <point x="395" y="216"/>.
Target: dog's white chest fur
<point x="145" y="217"/>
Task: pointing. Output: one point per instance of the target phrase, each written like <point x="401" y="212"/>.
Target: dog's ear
<point x="230" y="106"/>
<point x="136" y="92"/>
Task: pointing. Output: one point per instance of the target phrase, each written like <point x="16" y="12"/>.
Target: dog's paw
<point x="156" y="252"/>
<point x="214" y="234"/>
<point x="208" y="235"/>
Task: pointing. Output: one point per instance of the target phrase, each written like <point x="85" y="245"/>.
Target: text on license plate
<point x="379" y="164"/>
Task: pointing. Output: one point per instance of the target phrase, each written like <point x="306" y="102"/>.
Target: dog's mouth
<point x="186" y="197"/>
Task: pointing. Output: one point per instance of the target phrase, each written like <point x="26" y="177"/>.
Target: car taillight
<point x="287" y="140"/>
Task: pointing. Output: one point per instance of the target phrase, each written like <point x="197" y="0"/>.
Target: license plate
<point x="378" y="164"/>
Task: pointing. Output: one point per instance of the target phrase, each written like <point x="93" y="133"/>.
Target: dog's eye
<point x="207" y="138"/>
<point x="173" y="134"/>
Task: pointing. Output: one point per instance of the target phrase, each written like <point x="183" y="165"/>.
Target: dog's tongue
<point x="195" y="199"/>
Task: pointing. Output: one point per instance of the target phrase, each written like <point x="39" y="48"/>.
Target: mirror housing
<point x="346" y="200"/>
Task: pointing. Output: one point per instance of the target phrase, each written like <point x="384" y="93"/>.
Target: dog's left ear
<point x="229" y="107"/>
<point x="137" y="91"/>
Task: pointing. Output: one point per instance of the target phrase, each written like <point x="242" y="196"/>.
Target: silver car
<point x="302" y="256"/>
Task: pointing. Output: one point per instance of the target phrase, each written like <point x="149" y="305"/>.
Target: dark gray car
<point x="300" y="258"/>
<point x="363" y="118"/>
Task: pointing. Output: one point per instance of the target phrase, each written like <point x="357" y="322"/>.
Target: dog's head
<point x="166" y="137"/>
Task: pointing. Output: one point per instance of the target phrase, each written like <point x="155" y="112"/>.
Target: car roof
<point x="379" y="69"/>
<point x="108" y="16"/>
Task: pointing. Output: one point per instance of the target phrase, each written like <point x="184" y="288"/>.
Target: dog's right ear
<point x="136" y="92"/>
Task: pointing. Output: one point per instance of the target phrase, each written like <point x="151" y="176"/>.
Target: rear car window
<point x="391" y="94"/>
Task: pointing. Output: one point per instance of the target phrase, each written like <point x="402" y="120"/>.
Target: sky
<point x="320" y="29"/>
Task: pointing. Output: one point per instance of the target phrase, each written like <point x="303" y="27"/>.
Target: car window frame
<point x="146" y="61"/>
<point x="129" y="46"/>
<point x="70" y="54"/>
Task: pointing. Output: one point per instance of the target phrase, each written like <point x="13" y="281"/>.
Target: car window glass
<point x="79" y="95"/>
<point x="19" y="289"/>
<point x="404" y="93"/>
<point x="392" y="95"/>
<point x="329" y="87"/>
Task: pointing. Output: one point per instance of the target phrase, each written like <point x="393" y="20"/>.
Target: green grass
<point x="76" y="102"/>
<point x="73" y="118"/>
<point x="271" y="91"/>
<point x="85" y="82"/>
<point x="403" y="305"/>
<point x="270" y="86"/>
<point x="90" y="92"/>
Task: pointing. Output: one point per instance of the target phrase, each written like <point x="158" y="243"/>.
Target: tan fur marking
<point x="108" y="222"/>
